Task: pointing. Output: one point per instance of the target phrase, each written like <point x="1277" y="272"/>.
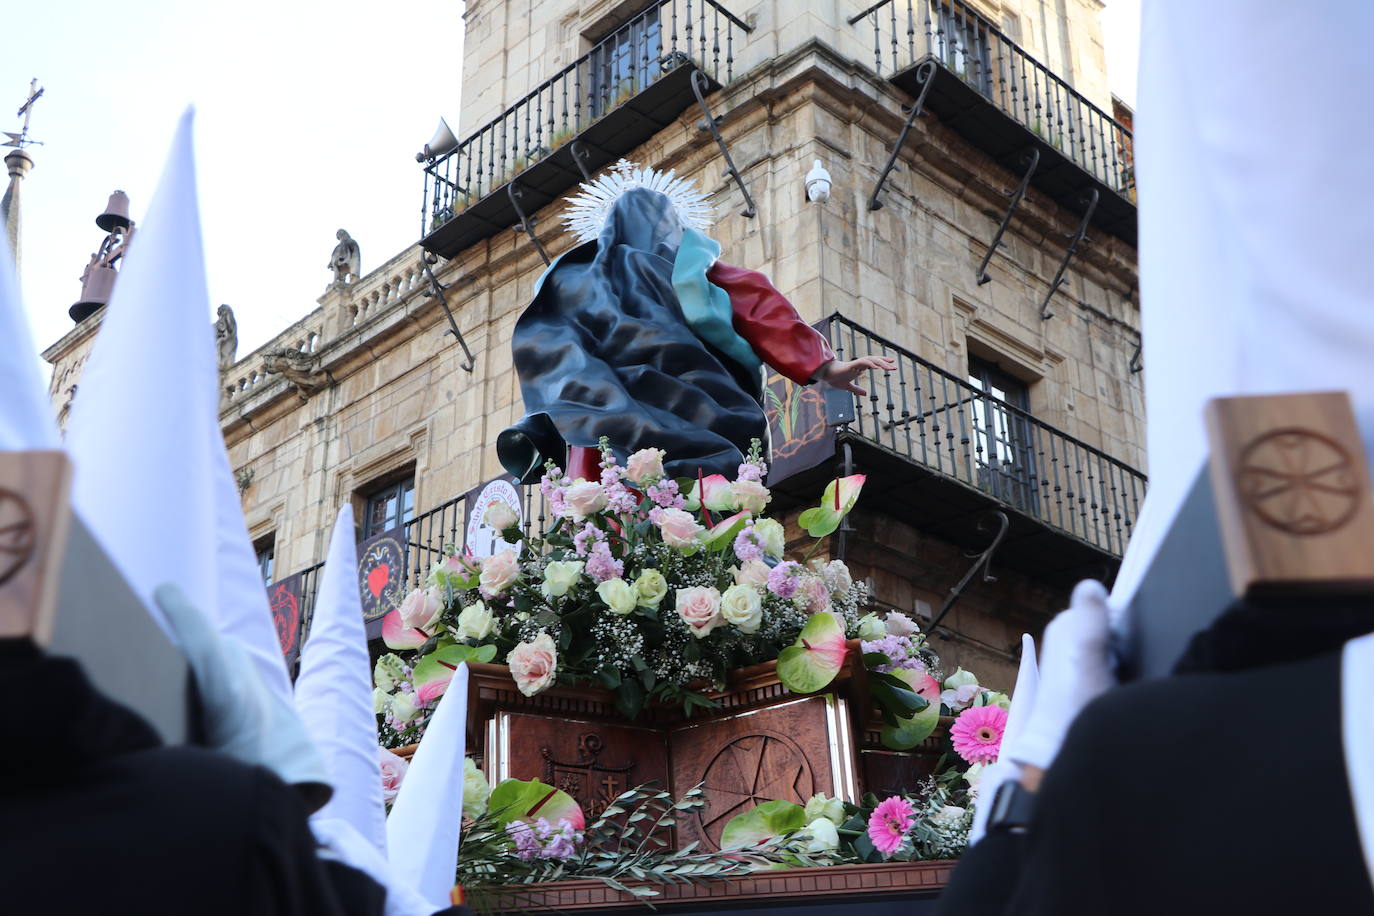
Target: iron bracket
<point x="579" y="157"/>
<point x="698" y="84"/>
<point x="513" y="191"/>
<point x="436" y="289"/>
<point x="983" y="562"/>
<point x="1032" y="158"/>
<point x="1075" y="240"/>
<point x="1137" y="364"/>
<point x="925" y="75"/>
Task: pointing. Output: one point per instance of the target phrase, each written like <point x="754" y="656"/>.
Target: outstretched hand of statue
<point x="842" y="373"/>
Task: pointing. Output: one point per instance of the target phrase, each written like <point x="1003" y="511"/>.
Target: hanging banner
<point x="285" y="597"/>
<point x="796" y="427"/>
<point x="481" y="539"/>
<point x="381" y="576"/>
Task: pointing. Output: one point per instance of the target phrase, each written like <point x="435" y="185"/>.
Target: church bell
<point x="96" y="285"/>
<point x="116" y="215"/>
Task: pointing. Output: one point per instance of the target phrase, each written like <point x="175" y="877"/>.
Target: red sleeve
<point x="770" y="324"/>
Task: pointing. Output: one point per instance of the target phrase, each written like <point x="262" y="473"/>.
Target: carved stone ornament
<point x="346" y="260"/>
<point x="300" y="369"/>
<point x="592" y="783"/>
<point x="226" y="336"/>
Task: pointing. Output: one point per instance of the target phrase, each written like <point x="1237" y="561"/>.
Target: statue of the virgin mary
<point x="642" y="335"/>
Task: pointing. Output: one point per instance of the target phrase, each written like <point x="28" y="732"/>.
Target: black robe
<point x="96" y="816"/>
<point x="1221" y="790"/>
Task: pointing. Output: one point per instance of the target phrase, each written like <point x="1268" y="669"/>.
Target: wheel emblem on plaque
<point x="1299" y="481"/>
<point x="749" y="771"/>
<point x="17" y="535"/>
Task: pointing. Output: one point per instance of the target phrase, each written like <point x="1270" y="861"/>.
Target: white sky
<point x="309" y="114"/>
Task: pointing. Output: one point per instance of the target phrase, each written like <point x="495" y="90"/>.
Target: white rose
<point x="560" y="576"/>
<point x="585" y="498"/>
<point x="771" y="535"/>
<point x="500" y="515"/>
<point x="899" y="624"/>
<point x="476" y="622"/>
<point x="824" y="836"/>
<point x="380" y="700"/>
<point x="618" y="594"/>
<point x="753" y="572"/>
<point x="476" y="789"/>
<point x="741" y="606"/>
<point x="750" y="495"/>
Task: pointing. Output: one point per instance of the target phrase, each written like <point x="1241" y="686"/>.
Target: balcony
<point x="628" y="87"/>
<point x="942" y="453"/>
<point x="1005" y="102"/>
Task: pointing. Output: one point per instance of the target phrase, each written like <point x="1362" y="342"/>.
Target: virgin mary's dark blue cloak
<point x="627" y="339"/>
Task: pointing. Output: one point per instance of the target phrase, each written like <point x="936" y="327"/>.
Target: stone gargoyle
<point x="300" y="369"/>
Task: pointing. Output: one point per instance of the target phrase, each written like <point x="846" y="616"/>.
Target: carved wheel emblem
<point x="18" y="536"/>
<point x="751" y="770"/>
<point x="1299" y="481"/>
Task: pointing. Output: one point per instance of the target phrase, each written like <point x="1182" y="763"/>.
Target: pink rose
<point x="393" y="773"/>
<point x="534" y="664"/>
<point x="499" y="571"/>
<point x="813" y="596"/>
<point x="700" y="608"/>
<point x="679" y="528"/>
<point x="753" y="572"/>
<point x="645" y="466"/>
<point x="584" y="498"/>
<point x="750" y="495"/>
<point x="899" y="624"/>
<point x="421" y="609"/>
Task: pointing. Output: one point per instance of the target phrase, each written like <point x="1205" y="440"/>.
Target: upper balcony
<point x="629" y="86"/>
<point x="943" y="451"/>
<point x="1005" y="102"/>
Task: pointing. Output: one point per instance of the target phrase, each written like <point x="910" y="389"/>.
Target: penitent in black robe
<point x="1214" y="792"/>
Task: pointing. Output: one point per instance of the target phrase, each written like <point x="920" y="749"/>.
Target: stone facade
<point x="387" y="394"/>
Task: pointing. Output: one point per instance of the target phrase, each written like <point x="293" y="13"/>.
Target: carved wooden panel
<point x="1292" y="493"/>
<point x="779" y="752"/>
<point x="591" y="761"/>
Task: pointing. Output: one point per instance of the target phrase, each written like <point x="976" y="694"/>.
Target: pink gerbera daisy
<point x="977" y="733"/>
<point x="888" y="824"/>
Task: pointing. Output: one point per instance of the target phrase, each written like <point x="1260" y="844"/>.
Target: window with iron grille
<point x="1003" y="439"/>
<point x="389" y="506"/>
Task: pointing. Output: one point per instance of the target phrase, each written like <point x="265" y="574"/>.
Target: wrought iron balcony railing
<point x="959" y="431"/>
<point x="976" y="61"/>
<point x="630" y="85"/>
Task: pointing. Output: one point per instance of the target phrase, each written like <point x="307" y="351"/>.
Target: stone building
<point x="986" y="240"/>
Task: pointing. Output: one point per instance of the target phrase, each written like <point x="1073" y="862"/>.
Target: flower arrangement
<point x="528" y="832"/>
<point x="931" y="822"/>
<point x="651" y="587"/>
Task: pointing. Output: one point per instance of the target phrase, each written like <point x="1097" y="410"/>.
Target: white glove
<point x="1075" y="667"/>
<point x="1006" y="770"/>
<point x="242" y="717"/>
<point x="342" y="841"/>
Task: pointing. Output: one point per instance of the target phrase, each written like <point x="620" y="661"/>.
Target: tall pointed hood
<point x="334" y="692"/>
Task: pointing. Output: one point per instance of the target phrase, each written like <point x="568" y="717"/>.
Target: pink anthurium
<point x="431" y="678"/>
<point x="722" y="535"/>
<point x="713" y="492"/>
<point x="397" y="635"/>
<point x="817" y="656"/>
<point x="922" y="683"/>
<point x="839" y="497"/>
